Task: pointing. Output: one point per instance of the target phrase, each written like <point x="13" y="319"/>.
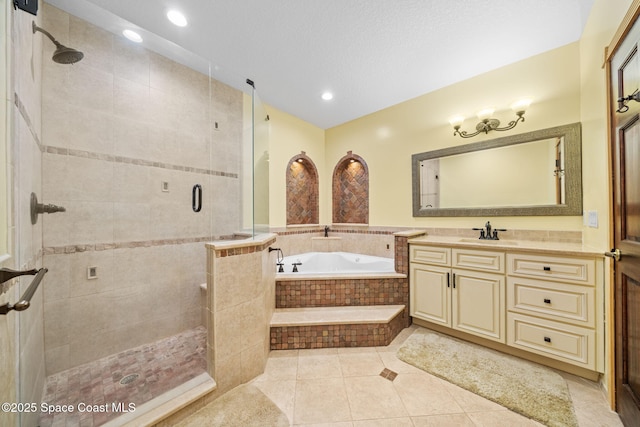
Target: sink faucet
<point x="487" y="234"/>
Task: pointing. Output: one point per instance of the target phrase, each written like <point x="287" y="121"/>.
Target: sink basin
<point x="491" y="242"/>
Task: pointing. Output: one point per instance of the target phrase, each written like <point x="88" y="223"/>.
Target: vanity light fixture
<point x="487" y="123"/>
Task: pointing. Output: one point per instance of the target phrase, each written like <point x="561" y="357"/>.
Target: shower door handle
<point x="196" y="198"/>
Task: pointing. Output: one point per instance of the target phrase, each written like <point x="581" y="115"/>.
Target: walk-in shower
<point x="146" y="152"/>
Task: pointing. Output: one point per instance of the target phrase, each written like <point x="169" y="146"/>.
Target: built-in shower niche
<point x="302" y="191"/>
<point x="351" y="190"/>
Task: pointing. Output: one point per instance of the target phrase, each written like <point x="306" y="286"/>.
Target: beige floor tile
<point x="449" y="420"/>
<point x="322" y="366"/>
<point x="349" y="350"/>
<point x="391" y="361"/>
<point x="423" y="394"/>
<point x="322" y="400"/>
<point x="280" y="368"/>
<point x="501" y="419"/>
<point x="385" y="422"/>
<point x="282" y="393"/>
<point x="360" y="364"/>
<point x="340" y="424"/>
<point x="373" y="397"/>
<point x="283" y="353"/>
<point x="317" y="352"/>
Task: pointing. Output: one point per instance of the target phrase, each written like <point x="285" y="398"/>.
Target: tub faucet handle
<point x="295" y="267"/>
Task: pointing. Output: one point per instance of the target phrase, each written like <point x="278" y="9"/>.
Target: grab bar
<point x="25" y="301"/>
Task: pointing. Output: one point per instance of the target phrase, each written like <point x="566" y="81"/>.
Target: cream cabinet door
<point x="430" y="294"/>
<point x="478" y="304"/>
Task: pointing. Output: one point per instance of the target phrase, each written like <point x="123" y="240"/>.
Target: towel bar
<point x="25" y="301"/>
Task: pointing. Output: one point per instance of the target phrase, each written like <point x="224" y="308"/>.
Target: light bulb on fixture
<point x="487" y="123"/>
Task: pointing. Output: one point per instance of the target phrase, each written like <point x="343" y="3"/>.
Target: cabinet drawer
<point x="568" y="343"/>
<point x="555" y="301"/>
<point x="478" y="260"/>
<point x="430" y="255"/>
<point x="575" y="270"/>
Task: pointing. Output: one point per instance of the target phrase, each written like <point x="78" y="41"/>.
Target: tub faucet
<point x="295" y="267"/>
<point x="326" y="231"/>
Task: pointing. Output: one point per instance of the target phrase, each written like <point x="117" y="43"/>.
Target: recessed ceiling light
<point x="132" y="35"/>
<point x="327" y="96"/>
<point x="177" y="18"/>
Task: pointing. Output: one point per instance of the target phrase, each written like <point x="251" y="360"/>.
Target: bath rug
<point x="243" y="406"/>
<point x="524" y="387"/>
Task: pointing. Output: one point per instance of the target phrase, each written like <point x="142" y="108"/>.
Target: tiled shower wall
<point x="119" y="128"/>
<point x="25" y="171"/>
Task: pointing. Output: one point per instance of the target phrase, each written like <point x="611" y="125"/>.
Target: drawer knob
<point x="546" y="268"/>
<point x="547" y="301"/>
<point x="547" y="339"/>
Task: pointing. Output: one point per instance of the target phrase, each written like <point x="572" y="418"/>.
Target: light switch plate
<point x="592" y="219"/>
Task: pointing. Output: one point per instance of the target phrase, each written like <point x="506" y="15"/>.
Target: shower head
<point x="63" y="54"/>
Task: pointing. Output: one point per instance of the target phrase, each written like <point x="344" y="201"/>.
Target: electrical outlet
<point x="165" y="186"/>
<point x="92" y="273"/>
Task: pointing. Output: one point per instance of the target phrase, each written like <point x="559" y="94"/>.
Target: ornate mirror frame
<point x="573" y="175"/>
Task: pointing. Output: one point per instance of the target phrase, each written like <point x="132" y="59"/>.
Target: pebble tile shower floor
<point x="160" y="366"/>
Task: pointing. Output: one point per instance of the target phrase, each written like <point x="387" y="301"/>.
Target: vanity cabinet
<point x="543" y="303"/>
<point x="458" y="288"/>
<point x="551" y="307"/>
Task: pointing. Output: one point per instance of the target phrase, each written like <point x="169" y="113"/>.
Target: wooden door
<point x="625" y="150"/>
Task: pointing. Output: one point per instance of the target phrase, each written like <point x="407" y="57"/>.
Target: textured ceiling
<point x="370" y="53"/>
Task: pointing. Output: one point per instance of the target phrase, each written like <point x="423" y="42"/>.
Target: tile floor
<point x="344" y="387"/>
<point x="160" y="366"/>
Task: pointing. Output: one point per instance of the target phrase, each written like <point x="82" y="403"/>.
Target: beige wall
<point x="386" y="139"/>
<point x="566" y="85"/>
<point x="604" y="20"/>
<point x="288" y="137"/>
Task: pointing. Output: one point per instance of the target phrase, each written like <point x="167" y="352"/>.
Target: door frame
<point x="621" y="33"/>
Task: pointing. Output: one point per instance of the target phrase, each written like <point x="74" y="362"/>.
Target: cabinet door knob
<point x="448" y="280"/>
<point x="547" y="339"/>
<point x="547" y="301"/>
<point x="546" y="268"/>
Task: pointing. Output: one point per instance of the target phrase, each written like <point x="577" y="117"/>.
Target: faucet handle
<point x="482" y="235"/>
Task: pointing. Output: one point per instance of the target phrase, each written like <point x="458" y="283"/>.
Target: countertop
<point x="531" y="246"/>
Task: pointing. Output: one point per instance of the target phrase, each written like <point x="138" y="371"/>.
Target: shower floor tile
<point x="102" y="390"/>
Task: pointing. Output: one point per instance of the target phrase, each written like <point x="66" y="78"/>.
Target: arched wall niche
<point x="350" y="190"/>
<point x="302" y="191"/>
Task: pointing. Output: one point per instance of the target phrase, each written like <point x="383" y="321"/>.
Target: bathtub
<point x="337" y="263"/>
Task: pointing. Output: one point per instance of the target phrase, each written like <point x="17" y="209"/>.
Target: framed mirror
<point x="534" y="173"/>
